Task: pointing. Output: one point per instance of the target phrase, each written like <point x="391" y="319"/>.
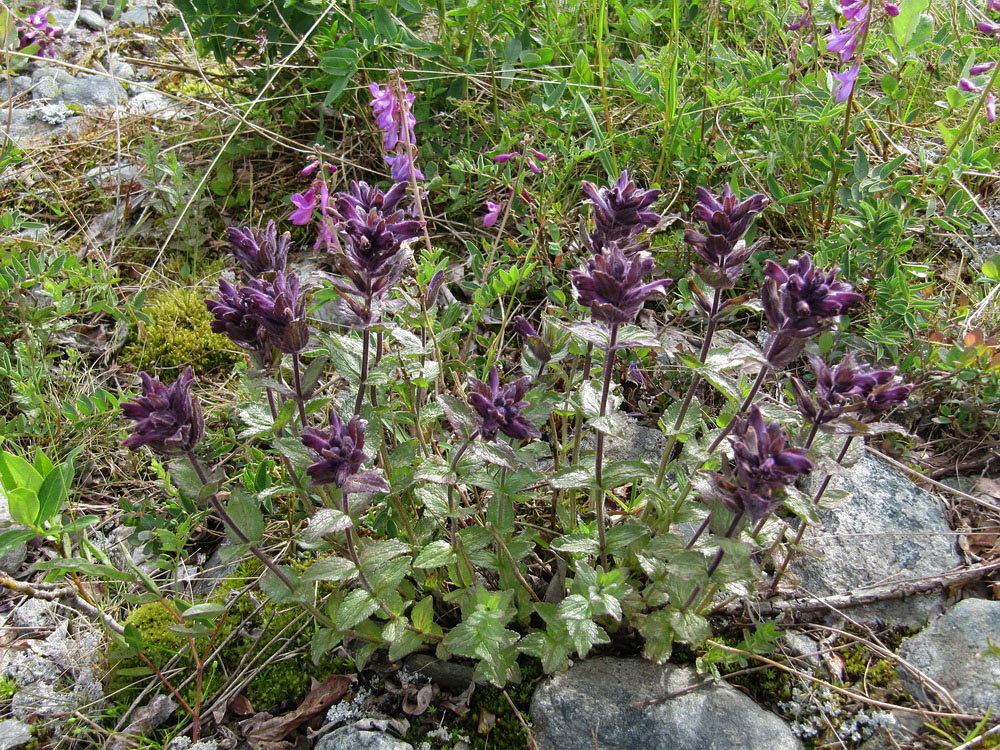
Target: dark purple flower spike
<point x="374" y="255"/>
<point x="234" y="316"/>
<point x="799" y="302"/>
<point x="261" y="253"/>
<point x="340" y="450"/>
<point x="620" y="212"/>
<point x="847" y="387"/>
<point x="168" y="418"/>
<point x="722" y="249"/>
<point x="499" y="407"/>
<point x="762" y="466"/>
<point x="611" y="285"/>
<point x="280" y="307"/>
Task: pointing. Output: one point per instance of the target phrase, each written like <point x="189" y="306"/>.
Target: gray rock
<point x="154" y="104"/>
<point x="184" y="743"/>
<point x="92" y="19"/>
<point x="60" y="75"/>
<point x="449" y="676"/>
<point x="27" y="131"/>
<point x="638" y="443"/>
<point x="93" y="91"/>
<point x="62" y="17"/>
<point x="45" y="88"/>
<point x="141" y="16"/>
<point x="953" y="651"/>
<point x="56" y="677"/>
<point x="20" y="84"/>
<point x="14" y="733"/>
<point x="351" y="738"/>
<point x="592" y="705"/>
<point x="887" y="530"/>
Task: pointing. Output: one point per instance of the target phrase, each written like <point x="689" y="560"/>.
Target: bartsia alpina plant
<point x="261" y="254"/>
<point x="799" y="302"/>
<point x="621" y="211"/>
<point x="721" y="248"/>
<point x="499" y="407"/>
<point x="340" y="453"/>
<point x="612" y="285"/>
<point x="763" y="465"/>
<point x="168" y="418"/>
<point x="280" y="308"/>
<point x="35" y="29"/>
<point x="374" y="250"/>
<point x="234" y="315"/>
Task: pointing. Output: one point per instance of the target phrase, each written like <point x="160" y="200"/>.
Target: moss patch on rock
<point x="179" y="335"/>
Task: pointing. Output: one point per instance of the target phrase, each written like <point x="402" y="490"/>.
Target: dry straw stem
<point x="843" y="691"/>
<point x="977" y="741"/>
<point x="933" y="482"/>
<point x="68" y="595"/>
<point x="868" y="595"/>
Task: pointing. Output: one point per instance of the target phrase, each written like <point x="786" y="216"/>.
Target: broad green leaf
<point x="576" y="543"/>
<point x="402" y="639"/>
<point x="247" y="515"/>
<point x="204" y="611"/>
<point x="15" y="472"/>
<point x="434" y="555"/>
<point x="357" y="606"/>
<point x="12" y="538"/>
<point x="23" y="504"/>
<point x="330" y="569"/>
<point x="572" y="478"/>
<point x="689" y="627"/>
<point x="423" y="614"/>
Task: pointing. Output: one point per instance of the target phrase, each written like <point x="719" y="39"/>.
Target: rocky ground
<point x="891" y="552"/>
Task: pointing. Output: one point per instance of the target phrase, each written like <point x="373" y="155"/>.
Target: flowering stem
<point x="227" y="519"/>
<point x="299" y="396"/>
<point x="598" y="491"/>
<point x="764" y="369"/>
<point x="803" y="525"/>
<point x="720" y="553"/>
<point x="695" y="380"/>
<point x="456" y="540"/>
<point x="363" y="378"/>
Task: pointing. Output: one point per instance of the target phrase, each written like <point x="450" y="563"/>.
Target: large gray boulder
<point x="594" y="704"/>
<point x="14" y="733"/>
<point x="953" y="651"/>
<point x="887" y="530"/>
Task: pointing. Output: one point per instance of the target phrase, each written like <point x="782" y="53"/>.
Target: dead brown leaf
<point x="264" y="732"/>
<point x="486" y="721"/>
<point x="241" y="705"/>
<point x="423" y="698"/>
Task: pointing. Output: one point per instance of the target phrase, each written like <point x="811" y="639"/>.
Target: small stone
<point x="14" y="733"/>
<point x="63" y="17"/>
<point x="141" y="16"/>
<point x="351" y="738"/>
<point x="94" y="91"/>
<point x="20" y="84"/>
<point x="448" y="675"/>
<point x="91" y="19"/>
<point x="954" y="652"/>
<point x="597" y="703"/>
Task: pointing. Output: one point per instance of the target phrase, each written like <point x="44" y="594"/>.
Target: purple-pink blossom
<point x="847" y="79"/>
<point x="986" y="67"/>
<point x="964" y="84"/>
<point x="492" y="213"/>
<point x="988" y="28"/>
<point x="992" y="6"/>
<point x="504" y="158"/>
<point x="991" y="107"/>
<point x="892" y="9"/>
<point x="305" y="204"/>
<point x="35" y="29"/>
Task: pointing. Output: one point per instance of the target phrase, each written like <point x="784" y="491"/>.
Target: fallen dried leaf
<point x="424" y="696"/>
<point x="241" y="706"/>
<point x="486" y="721"/>
<point x="264" y="732"/>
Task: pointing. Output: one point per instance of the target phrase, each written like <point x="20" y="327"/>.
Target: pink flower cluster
<point x="493" y="210"/>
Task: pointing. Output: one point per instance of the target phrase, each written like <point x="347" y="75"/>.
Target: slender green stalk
<point x="300" y="398"/>
<point x="598" y="491"/>
<point x="713" y="322"/>
<point x="730" y="532"/>
<point x="803" y="525"/>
